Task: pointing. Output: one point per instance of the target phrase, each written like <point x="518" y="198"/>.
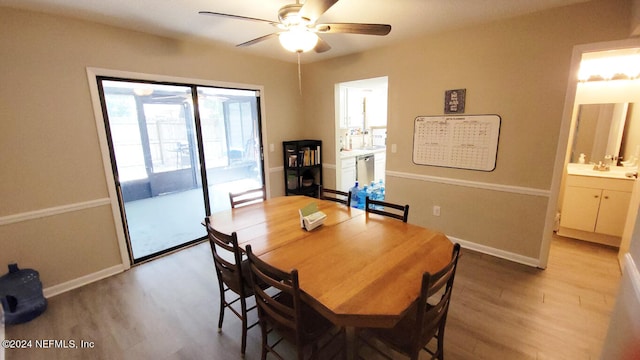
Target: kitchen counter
<point x="358" y="152"/>
<point x="348" y="165"/>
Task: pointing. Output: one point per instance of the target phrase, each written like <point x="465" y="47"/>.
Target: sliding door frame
<point x="114" y="196"/>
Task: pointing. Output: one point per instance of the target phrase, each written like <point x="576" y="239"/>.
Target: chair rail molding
<point x="472" y="184"/>
<point x="52" y="211"/>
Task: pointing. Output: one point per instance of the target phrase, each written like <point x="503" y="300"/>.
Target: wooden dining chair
<point x="282" y="311"/>
<point x="425" y="322"/>
<point x="233" y="278"/>
<point x="380" y="207"/>
<point x="248" y="197"/>
<point x="335" y="195"/>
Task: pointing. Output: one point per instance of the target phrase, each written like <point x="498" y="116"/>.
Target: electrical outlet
<point x="436" y="210"/>
<point x="271" y="148"/>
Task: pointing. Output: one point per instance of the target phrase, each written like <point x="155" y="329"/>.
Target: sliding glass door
<point x="231" y="140"/>
<point x="159" y="137"/>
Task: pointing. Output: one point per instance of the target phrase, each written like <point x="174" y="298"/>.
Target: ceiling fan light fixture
<point x="289" y="15"/>
<point x="297" y="28"/>
<point x="298" y="39"/>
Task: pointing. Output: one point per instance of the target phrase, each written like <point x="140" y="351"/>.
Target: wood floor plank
<point x="168" y="309"/>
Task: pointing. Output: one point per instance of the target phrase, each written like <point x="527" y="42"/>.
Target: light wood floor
<point x="167" y="309"/>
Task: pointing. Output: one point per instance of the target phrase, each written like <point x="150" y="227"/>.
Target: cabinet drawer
<point x="348" y="162"/>
<point x="600" y="183"/>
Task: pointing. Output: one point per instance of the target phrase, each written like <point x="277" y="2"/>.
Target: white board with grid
<point x="464" y="142"/>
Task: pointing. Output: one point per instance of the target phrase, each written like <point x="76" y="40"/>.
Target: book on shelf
<point x="308" y="156"/>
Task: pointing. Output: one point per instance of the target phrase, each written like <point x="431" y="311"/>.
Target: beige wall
<point x="635" y="18"/>
<point x="517" y="69"/>
<point x="50" y="156"/>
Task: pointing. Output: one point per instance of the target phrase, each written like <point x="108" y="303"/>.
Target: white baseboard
<point x="534" y="262"/>
<point x="81" y="281"/>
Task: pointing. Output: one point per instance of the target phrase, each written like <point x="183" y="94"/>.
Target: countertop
<point x="615" y="172"/>
<point x="357" y="152"/>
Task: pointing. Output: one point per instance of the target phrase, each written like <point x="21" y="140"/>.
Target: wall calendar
<point x="464" y="142"/>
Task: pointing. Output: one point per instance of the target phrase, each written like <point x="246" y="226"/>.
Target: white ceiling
<point x="180" y="19"/>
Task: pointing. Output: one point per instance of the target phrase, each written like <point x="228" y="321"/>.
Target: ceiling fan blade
<point x="257" y="40"/>
<point x="237" y="17"/>
<point x="322" y="46"/>
<point x="313" y="9"/>
<point x="365" y="29"/>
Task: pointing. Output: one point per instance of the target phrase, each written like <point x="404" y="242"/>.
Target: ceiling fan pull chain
<point x="299" y="74"/>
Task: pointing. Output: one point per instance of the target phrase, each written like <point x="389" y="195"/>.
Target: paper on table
<point x="311" y="217"/>
<point x="309" y="209"/>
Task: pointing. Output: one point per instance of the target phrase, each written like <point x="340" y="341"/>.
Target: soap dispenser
<point x="581" y="160"/>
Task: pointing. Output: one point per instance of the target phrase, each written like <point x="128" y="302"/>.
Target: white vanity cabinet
<point x="594" y="206"/>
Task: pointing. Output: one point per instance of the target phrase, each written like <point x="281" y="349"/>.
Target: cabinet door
<point x="580" y="208"/>
<point x="355" y="108"/>
<point x="613" y="212"/>
<point x="380" y="164"/>
<point x="348" y="175"/>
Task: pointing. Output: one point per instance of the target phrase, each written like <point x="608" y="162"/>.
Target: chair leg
<point x="243" y="306"/>
<point x="222" y="305"/>
<point x="263" y="327"/>
<point x="440" y="338"/>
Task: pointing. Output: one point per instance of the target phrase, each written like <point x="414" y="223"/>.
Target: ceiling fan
<point x="298" y="30"/>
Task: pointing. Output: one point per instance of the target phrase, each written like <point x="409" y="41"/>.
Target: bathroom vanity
<point x="595" y="203"/>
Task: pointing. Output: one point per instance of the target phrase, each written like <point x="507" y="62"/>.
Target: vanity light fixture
<point x="623" y="67"/>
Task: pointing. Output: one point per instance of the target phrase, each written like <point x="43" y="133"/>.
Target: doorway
<point x="176" y="151"/>
<point x="616" y="88"/>
<point x="361" y="131"/>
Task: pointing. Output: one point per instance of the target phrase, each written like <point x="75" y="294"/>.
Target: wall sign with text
<point x="464" y="142"/>
<point x="454" y="101"/>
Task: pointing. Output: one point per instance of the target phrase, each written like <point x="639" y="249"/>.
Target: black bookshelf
<point x="302" y="167"/>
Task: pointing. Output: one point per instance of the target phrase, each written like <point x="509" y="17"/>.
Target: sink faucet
<point x="600" y="166"/>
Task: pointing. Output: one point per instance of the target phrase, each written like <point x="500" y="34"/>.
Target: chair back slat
<point x="271" y="305"/>
<point x="338" y="196"/>
<point x="382" y="208"/>
<point x="247" y="197"/>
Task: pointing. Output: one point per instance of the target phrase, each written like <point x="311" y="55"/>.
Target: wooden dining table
<point x="358" y="269"/>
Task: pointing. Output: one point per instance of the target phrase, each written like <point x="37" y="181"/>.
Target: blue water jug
<point x="362" y="197"/>
<point x="354" y="195"/>
<point x="373" y="190"/>
<point x="381" y="190"/>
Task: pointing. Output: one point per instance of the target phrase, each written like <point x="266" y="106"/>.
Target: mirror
<point x="606" y="129"/>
